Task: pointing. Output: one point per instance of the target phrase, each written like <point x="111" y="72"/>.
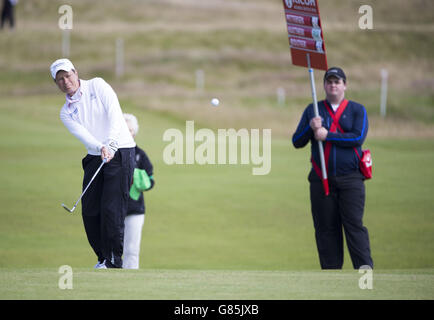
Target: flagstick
<point x="320" y="146"/>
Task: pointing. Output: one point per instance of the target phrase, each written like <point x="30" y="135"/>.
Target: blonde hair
<point x="132" y="120"/>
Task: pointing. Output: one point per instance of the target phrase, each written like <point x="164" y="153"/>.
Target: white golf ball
<point x="215" y="102"/>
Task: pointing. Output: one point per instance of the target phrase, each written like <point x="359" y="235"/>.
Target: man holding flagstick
<point x="336" y="129"/>
<point x="342" y="125"/>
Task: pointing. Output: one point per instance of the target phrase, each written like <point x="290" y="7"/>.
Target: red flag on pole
<point x="305" y="33"/>
<point x="307" y="50"/>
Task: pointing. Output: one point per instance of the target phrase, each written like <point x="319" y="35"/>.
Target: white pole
<point x="200" y="80"/>
<point x="320" y="146"/>
<point x="383" y="105"/>
<point x="65" y="42"/>
<point x="281" y="96"/>
<point x="119" y="57"/>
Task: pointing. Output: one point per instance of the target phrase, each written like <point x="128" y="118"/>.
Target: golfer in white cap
<point x="93" y="115"/>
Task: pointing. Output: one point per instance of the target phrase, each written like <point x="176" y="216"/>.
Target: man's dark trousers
<point x="7" y="14"/>
<point x="343" y="207"/>
<point x="105" y="204"/>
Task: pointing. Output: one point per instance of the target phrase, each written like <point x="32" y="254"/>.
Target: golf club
<point x="75" y="205"/>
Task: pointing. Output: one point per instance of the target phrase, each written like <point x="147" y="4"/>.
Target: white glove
<point x="112" y="146"/>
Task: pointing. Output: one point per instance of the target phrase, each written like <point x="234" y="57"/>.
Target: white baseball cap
<point x="61" y="64"/>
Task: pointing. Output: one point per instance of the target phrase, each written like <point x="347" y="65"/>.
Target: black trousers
<point x="105" y="204"/>
<point x="7" y="14"/>
<point x="342" y="209"/>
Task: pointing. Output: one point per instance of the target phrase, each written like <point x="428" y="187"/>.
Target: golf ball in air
<point x="215" y="102"/>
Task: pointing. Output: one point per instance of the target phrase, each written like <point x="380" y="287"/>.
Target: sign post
<point x="307" y="50"/>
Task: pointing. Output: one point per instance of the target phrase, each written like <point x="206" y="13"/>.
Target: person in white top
<point x="92" y="113"/>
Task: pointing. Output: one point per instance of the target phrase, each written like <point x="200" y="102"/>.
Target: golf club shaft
<point x="96" y="172"/>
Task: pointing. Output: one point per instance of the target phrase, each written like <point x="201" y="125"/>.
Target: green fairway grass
<point x="43" y="283"/>
<point x="202" y="217"/>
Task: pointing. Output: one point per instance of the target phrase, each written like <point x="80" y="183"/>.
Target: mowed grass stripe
<point x="215" y="284"/>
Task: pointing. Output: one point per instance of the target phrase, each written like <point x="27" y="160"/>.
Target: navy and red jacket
<point x="353" y="121"/>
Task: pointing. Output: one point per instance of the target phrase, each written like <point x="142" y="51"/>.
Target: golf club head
<point x="67" y="209"/>
<point x="73" y="208"/>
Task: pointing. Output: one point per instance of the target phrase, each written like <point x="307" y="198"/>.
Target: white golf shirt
<point x="95" y="117"/>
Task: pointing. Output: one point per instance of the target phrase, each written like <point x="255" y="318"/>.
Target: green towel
<point x="141" y="182"/>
